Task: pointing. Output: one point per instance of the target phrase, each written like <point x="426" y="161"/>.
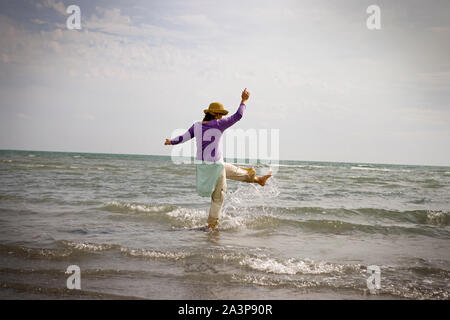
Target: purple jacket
<point x="209" y="136"/>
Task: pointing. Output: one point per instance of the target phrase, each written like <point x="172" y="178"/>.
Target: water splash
<point x="437" y="217"/>
<point x="237" y="211"/>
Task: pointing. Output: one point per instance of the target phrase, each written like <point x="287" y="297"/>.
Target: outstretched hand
<point x="167" y="142"/>
<point x="245" y="95"/>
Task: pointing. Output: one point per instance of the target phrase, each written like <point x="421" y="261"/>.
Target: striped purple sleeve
<point x="188" y="135"/>
<point x="228" y="122"/>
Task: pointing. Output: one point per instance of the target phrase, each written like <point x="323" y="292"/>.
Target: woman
<point x="211" y="171"/>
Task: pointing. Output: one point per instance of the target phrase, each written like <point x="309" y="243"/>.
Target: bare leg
<point x="245" y="174"/>
<point x="234" y="173"/>
<point x="262" y="180"/>
<point x="217" y="198"/>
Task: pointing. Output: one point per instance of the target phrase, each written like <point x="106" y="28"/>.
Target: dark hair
<point x="209" y="117"/>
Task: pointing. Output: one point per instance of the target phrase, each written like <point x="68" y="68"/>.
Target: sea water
<point x="130" y="222"/>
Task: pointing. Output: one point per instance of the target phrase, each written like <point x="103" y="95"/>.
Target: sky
<point x="138" y="70"/>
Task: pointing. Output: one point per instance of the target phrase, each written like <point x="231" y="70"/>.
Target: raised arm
<point x="188" y="135"/>
<point x="228" y="122"/>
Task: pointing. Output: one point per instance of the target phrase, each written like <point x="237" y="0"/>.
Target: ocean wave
<point x="266" y="269"/>
<point x="332" y="226"/>
<point x="175" y="216"/>
<point x="11" y="197"/>
<point x="389" y="288"/>
<point x="267" y="281"/>
<point x="153" y="254"/>
<point x="326" y="226"/>
<point x="439" y="218"/>
<point x="310" y="167"/>
<point x="293" y="266"/>
<point x="426" y="217"/>
<point x="35" y="253"/>
<point x="71" y="249"/>
<point x="188" y="217"/>
<point x="117" y="206"/>
<point x="370" y="169"/>
<point x="236" y="215"/>
<point x="426" y="271"/>
<point x="86" y="272"/>
<point x="61" y="167"/>
<point x="256" y="261"/>
<point x="132" y="252"/>
<point x="89" y="247"/>
<point x="309" y="274"/>
<point x="58" y="293"/>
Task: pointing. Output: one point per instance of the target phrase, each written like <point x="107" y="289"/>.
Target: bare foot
<point x="262" y="180"/>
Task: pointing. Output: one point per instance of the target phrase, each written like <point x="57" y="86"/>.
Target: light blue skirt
<point x="207" y="176"/>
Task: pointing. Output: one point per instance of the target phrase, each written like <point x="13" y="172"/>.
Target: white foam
<point x="93" y="247"/>
<point x="154" y="254"/>
<point x="370" y="169"/>
<point x="232" y="222"/>
<point x="138" y="207"/>
<point x="379" y="169"/>
<point x="291" y="266"/>
<point x="190" y="218"/>
<point x="193" y="218"/>
<point x="258" y="280"/>
<point x="89" y="246"/>
<point x="271" y="282"/>
<point x="436" y="217"/>
<point x="294" y="165"/>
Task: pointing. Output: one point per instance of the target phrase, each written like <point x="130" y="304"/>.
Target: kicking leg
<point x="245" y="174"/>
<point x="262" y="180"/>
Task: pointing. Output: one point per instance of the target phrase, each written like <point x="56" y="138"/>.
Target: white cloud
<point x="5" y="58"/>
<point x="192" y="20"/>
<point x="58" y="6"/>
<point x="21" y="115"/>
<point x="307" y="67"/>
<point x="38" y="21"/>
<point x="88" y="117"/>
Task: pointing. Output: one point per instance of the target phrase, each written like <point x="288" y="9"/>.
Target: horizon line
<point x="159" y="155"/>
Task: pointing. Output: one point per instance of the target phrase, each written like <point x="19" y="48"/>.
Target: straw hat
<point x="216" y="108"/>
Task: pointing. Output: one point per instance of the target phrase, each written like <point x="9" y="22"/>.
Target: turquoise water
<point x="127" y="221"/>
